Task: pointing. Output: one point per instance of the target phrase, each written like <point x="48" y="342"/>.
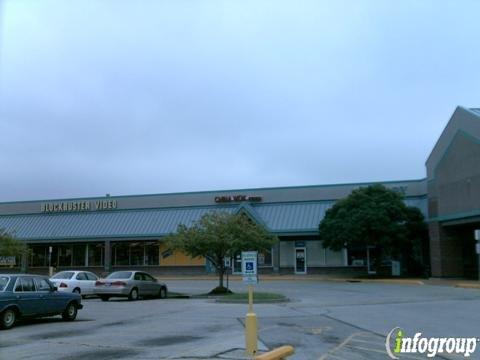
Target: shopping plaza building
<point x="115" y="232"/>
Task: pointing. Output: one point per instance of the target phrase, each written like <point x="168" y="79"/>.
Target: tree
<point x="372" y="216"/>
<point x="10" y="246"/>
<point x="219" y="235"/>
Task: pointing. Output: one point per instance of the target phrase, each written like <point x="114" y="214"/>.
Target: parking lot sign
<point x="249" y="267"/>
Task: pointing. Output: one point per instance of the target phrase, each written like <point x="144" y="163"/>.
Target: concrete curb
<point x="262" y="278"/>
<point x="236" y="278"/>
<point x="387" y="281"/>
<point x="468" y="286"/>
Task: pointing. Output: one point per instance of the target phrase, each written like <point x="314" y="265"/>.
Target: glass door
<point x="300" y="260"/>
<point x="237" y="264"/>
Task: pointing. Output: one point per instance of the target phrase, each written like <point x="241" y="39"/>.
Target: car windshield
<point x="120" y="275"/>
<point x="63" y="275"/>
<point x="3" y="282"/>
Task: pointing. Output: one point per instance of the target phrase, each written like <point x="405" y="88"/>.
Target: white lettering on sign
<point x="72" y="206"/>
<point x="105" y="204"/>
<point x="237" y="198"/>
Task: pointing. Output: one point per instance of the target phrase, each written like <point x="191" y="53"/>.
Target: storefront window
<point x="357" y="256"/>
<point x="39" y="255"/>
<point x="265" y="258"/>
<point x="79" y="255"/>
<point x="95" y="254"/>
<point x="122" y="254"/>
<point x="151" y="254"/>
<point x="54" y="256"/>
<point x="65" y="255"/>
<point x="136" y="254"/>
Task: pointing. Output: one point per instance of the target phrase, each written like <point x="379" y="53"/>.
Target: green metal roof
<point x="293" y="217"/>
<point x="115" y="224"/>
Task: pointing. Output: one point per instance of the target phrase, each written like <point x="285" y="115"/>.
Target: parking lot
<point x="323" y="320"/>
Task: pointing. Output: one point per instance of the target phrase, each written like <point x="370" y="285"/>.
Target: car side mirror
<point x="54" y="289"/>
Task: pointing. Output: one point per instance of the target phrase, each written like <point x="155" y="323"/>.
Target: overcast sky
<point x="133" y="97"/>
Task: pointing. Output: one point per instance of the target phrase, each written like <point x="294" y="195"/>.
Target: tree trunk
<point x="221" y="271"/>
<point x="220" y="277"/>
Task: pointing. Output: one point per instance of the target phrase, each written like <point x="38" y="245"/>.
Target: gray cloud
<point x="159" y="96"/>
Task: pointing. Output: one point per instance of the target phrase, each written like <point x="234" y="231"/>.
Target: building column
<point x="24" y="262"/>
<point x="446" y="258"/>
<point x="276" y="258"/>
<point x="86" y="255"/>
<point x="107" y="256"/>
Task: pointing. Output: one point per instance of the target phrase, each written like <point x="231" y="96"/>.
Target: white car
<point x="80" y="282"/>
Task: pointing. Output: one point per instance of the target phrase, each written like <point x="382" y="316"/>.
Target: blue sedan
<point x="28" y="296"/>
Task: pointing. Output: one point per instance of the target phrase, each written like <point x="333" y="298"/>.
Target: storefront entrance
<point x="300" y="260"/>
<point x="237" y="264"/>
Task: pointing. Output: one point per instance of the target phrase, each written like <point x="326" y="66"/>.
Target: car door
<point x="140" y="283"/>
<point x="57" y="300"/>
<point x="27" y="297"/>
<point x="153" y="286"/>
<point x="82" y="282"/>
<point x="90" y="283"/>
<point x="44" y="290"/>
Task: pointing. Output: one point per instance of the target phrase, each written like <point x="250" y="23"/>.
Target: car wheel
<point x="162" y="294"/>
<point x="133" y="295"/>
<point x="8" y="319"/>
<point x="76" y="290"/>
<point x="70" y="312"/>
<point x="104" y="297"/>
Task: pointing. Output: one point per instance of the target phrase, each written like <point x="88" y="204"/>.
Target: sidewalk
<point x="470" y="284"/>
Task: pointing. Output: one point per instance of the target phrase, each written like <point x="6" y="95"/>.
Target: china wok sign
<point x="237" y="198"/>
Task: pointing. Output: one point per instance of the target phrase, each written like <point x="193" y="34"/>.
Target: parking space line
<point x="366" y="334"/>
<point x="268" y="328"/>
<point x="369" y="342"/>
<point x="384" y="352"/>
<point x="369" y="349"/>
<point x="339" y="346"/>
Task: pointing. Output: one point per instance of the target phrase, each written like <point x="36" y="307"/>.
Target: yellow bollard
<point x="251" y="344"/>
<point x="277" y="354"/>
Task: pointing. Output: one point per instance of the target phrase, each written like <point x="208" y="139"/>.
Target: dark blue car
<point x="28" y="296"/>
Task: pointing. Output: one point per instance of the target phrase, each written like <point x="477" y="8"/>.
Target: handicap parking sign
<point x="249" y="267"/>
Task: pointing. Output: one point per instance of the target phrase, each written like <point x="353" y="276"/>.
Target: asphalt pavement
<point x="322" y="320"/>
